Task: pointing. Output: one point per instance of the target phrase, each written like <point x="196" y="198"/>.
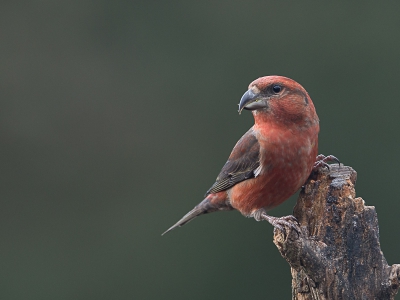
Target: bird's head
<point x="279" y="99"/>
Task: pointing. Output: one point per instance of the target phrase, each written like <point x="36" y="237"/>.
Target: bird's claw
<point x="280" y="223"/>
<point x="321" y="161"/>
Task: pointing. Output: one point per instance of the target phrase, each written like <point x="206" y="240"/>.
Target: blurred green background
<point x="116" y="117"/>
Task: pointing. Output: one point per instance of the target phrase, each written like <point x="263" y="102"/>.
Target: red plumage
<point x="273" y="159"/>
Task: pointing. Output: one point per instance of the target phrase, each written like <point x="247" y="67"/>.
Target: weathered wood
<point x="337" y="254"/>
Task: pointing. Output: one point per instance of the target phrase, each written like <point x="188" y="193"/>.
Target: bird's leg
<point x="279" y="223"/>
<point x="322" y="161"/>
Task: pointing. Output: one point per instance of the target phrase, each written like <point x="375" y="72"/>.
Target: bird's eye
<point x="277" y="89"/>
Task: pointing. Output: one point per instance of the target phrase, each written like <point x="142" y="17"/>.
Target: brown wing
<point x="241" y="164"/>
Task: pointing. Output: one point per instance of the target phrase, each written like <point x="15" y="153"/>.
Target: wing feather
<point x="242" y="164"/>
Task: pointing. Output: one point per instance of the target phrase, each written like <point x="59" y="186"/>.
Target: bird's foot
<point x="278" y="223"/>
<point x="321" y="161"/>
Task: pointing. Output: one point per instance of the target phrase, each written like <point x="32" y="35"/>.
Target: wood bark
<point x="336" y="254"/>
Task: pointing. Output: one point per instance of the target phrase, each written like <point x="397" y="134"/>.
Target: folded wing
<point x="242" y="164"/>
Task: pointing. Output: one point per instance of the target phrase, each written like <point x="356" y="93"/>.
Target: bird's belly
<point x="279" y="180"/>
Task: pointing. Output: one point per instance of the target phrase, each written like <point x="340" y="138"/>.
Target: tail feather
<point x="195" y="212"/>
<point x="212" y="202"/>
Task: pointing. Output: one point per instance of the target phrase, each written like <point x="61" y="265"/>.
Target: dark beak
<point x="251" y="101"/>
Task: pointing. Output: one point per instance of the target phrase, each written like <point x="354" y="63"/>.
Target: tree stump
<point x="336" y="254"/>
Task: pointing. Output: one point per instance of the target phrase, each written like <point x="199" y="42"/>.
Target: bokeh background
<point x="116" y="117"/>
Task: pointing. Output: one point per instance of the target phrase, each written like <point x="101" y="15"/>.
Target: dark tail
<point x="203" y="207"/>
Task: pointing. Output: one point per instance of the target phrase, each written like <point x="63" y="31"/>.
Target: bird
<point x="273" y="159"/>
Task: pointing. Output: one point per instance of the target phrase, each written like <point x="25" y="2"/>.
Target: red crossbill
<point x="273" y="159"/>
